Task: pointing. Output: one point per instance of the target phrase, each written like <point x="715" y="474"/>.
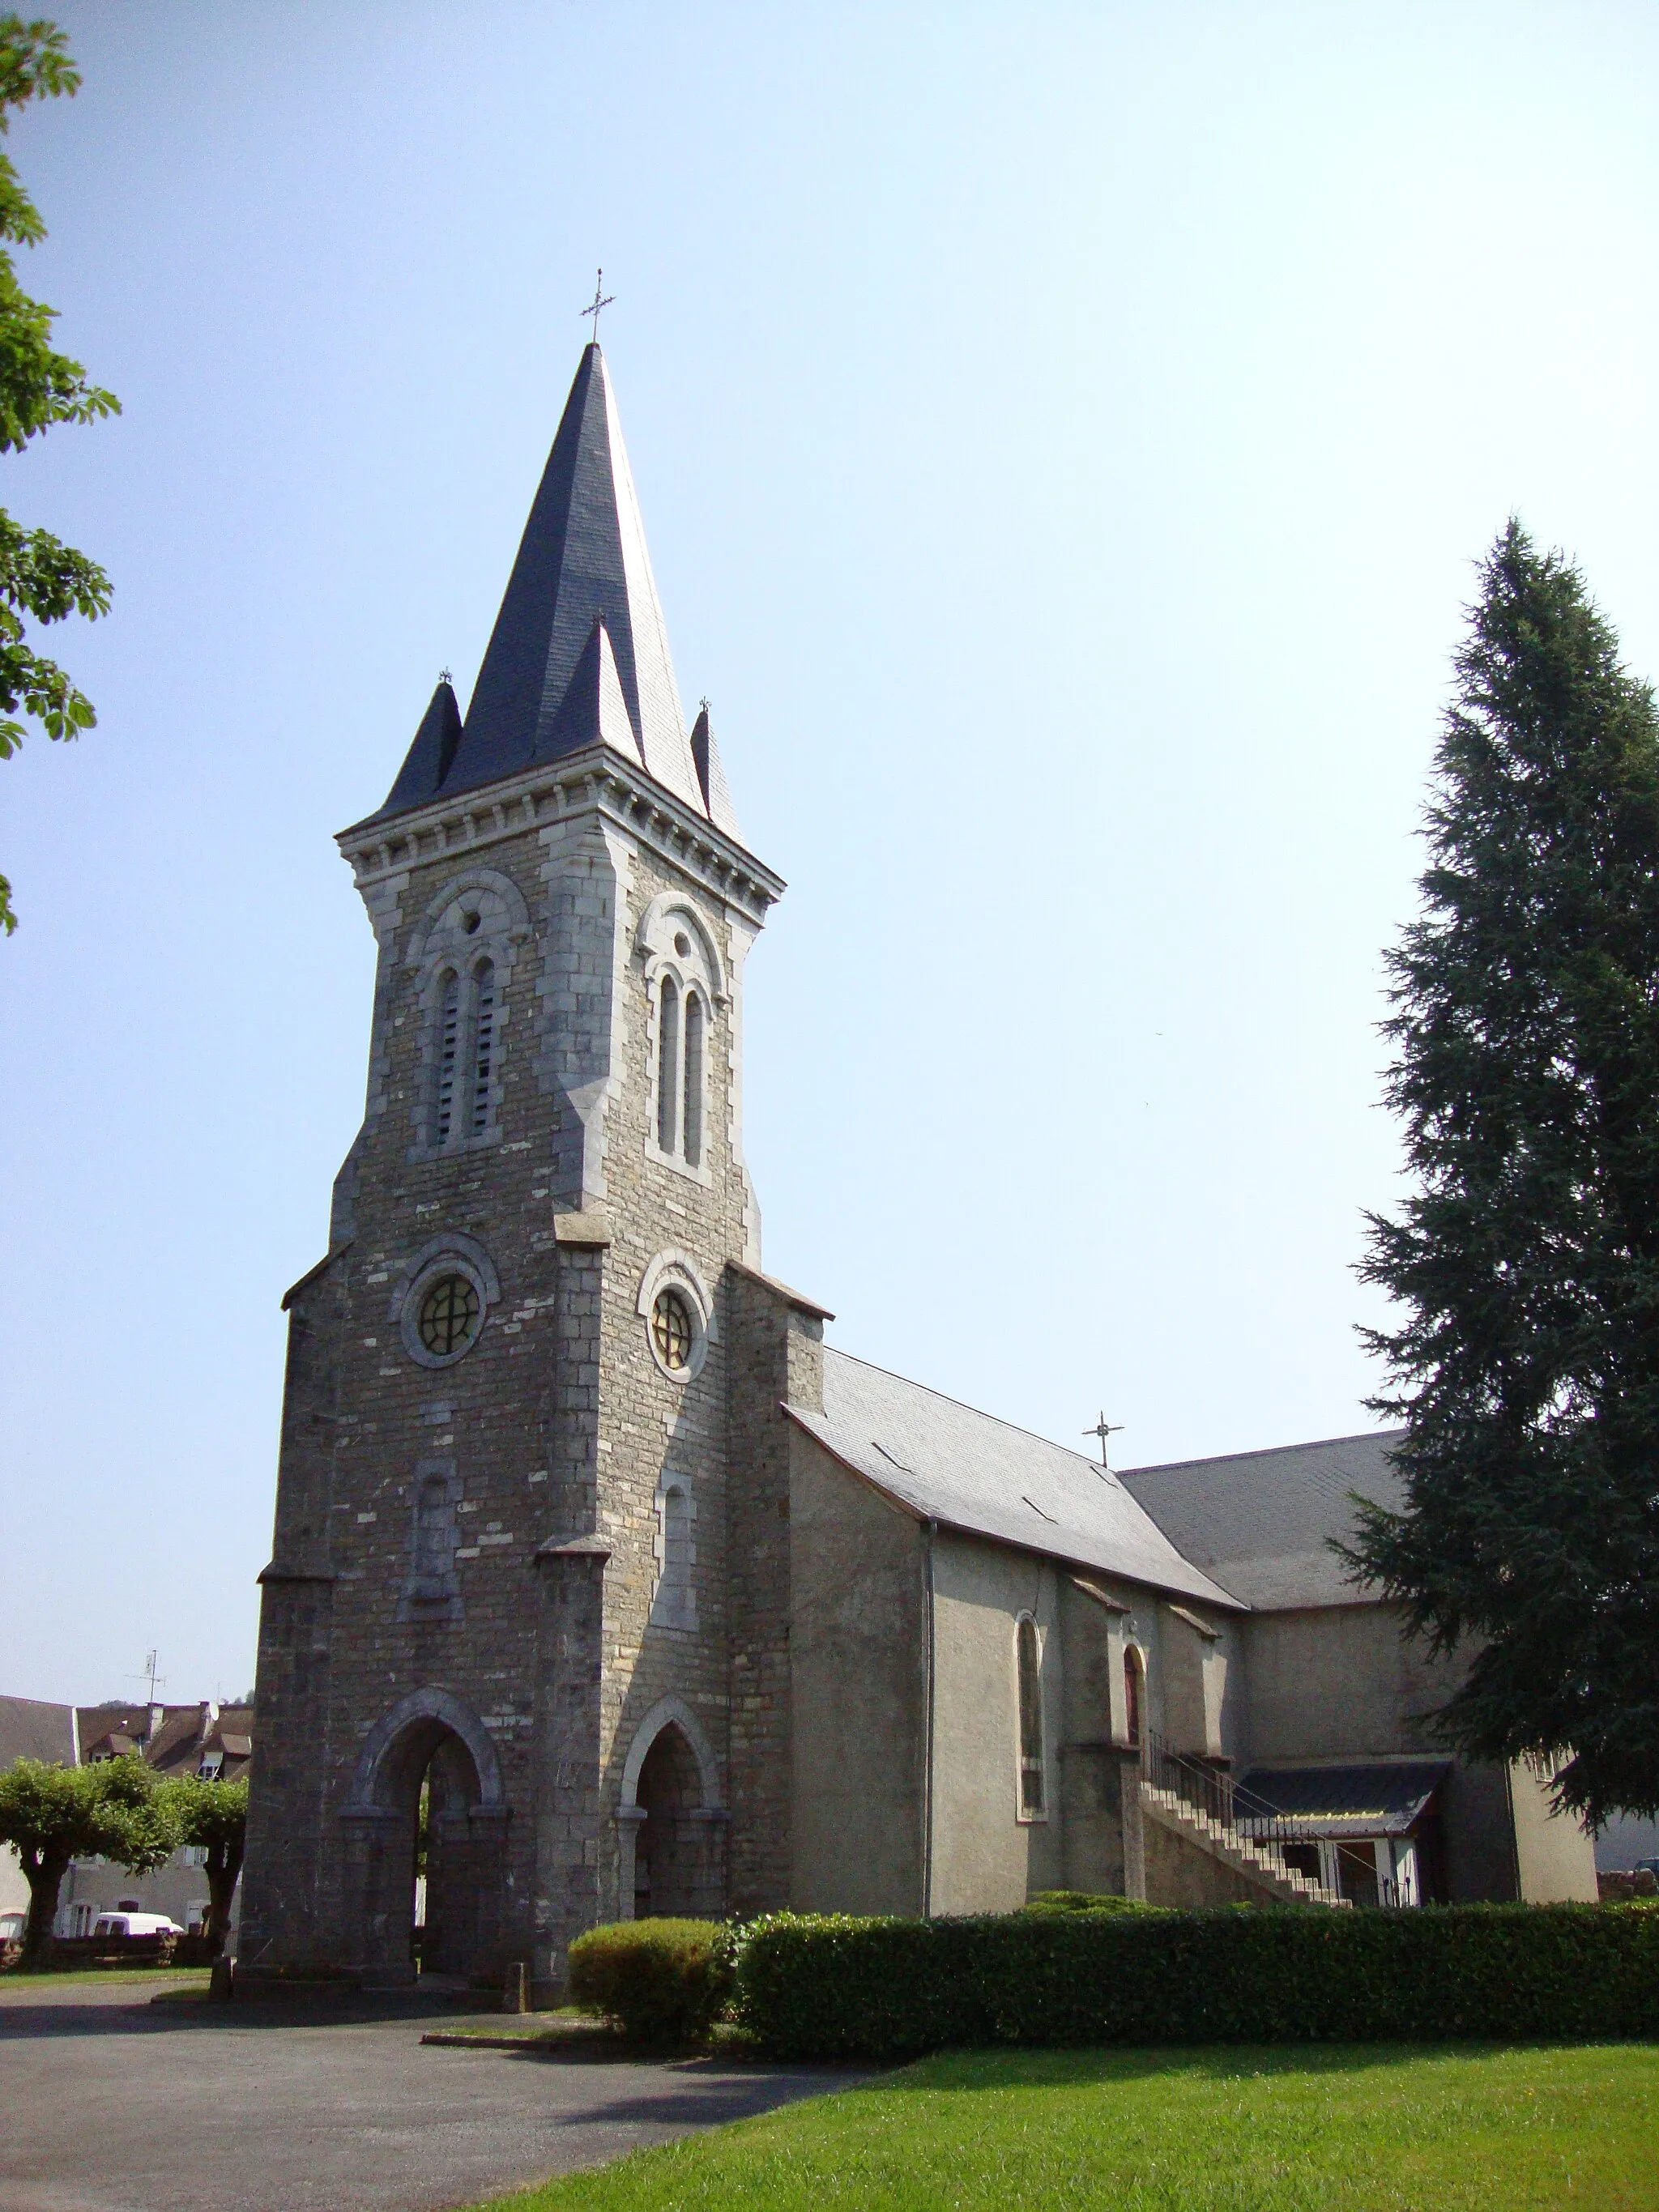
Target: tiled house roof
<point x="30" y="1728"/>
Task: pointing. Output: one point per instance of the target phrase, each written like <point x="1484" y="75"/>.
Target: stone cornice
<point x="596" y="780"/>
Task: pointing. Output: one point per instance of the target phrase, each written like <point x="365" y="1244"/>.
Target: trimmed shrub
<point x="1083" y="1900"/>
<point x="659" y="1981"/>
<point x="831" y="1987"/>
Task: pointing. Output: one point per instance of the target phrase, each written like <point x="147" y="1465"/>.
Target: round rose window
<point x="671" y="1329"/>
<point x="449" y="1316"/>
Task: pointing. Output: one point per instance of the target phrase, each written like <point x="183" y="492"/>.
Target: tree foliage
<point x="1526" y="1262"/>
<point x="213" y="1816"/>
<point x="50" y="1815"/>
<point x="40" y="575"/>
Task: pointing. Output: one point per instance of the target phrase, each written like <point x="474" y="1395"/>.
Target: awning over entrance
<point x="1328" y="1802"/>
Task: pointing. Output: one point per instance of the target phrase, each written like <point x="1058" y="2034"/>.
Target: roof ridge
<point x="1261" y="1452"/>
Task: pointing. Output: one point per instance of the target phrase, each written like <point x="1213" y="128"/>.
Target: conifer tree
<point x="1525" y="1365"/>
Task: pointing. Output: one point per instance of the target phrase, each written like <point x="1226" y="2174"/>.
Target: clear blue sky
<point x="1065" y="434"/>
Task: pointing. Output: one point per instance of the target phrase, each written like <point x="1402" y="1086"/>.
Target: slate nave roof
<point x="949" y="1463"/>
<point x="1249" y="1532"/>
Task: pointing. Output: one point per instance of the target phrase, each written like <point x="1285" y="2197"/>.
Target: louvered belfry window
<point x="668" y="1065"/>
<point x="449" y="1042"/>
<point x="1030" y="1717"/>
<point x="694" y="1027"/>
<point x="483" y="1044"/>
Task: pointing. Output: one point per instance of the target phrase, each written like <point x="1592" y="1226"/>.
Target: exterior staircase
<point x="1202" y="1808"/>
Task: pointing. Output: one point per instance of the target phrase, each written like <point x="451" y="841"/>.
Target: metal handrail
<point x="1209" y="1790"/>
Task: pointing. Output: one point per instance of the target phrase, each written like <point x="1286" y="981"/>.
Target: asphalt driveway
<point x="110" y="2104"/>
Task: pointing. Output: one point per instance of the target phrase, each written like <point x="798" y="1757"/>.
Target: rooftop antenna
<point x="156" y="1681"/>
<point x="601" y="300"/>
<point x="1102" y="1429"/>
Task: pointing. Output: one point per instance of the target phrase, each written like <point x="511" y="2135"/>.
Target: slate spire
<point x="429" y="759"/>
<point x="580" y="627"/>
<point x="711" y="776"/>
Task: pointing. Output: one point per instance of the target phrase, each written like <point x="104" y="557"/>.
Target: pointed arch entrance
<point x="670" y="1821"/>
<point x="426" y="1819"/>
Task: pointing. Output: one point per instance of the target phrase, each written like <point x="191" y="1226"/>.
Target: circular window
<point x="448" y="1319"/>
<point x="670" y="1330"/>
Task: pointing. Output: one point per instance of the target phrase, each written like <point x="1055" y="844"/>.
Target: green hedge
<point x="837" y="1988"/>
<point x="1083" y="1900"/>
<point x="659" y="1981"/>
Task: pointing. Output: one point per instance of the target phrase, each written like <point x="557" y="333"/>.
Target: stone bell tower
<point x="527" y="1603"/>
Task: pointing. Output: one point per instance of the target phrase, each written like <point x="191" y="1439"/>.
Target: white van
<point x="136" y="1923"/>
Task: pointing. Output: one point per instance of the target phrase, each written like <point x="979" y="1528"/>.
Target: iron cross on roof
<point x="1102" y="1429"/>
<point x="601" y="300"/>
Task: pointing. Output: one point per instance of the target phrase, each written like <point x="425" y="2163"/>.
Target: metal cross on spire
<point x="1102" y="1429"/>
<point x="601" y="300"/>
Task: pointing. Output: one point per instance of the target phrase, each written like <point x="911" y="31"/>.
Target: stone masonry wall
<point x="558" y="1424"/>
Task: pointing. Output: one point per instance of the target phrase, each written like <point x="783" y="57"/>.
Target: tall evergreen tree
<point x="1526" y="1264"/>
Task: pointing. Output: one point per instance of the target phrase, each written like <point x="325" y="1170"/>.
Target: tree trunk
<point x="224" y="1863"/>
<point x="45" y="1872"/>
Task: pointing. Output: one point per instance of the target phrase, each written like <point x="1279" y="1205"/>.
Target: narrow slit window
<point x="677" y="1540"/>
<point x="435" y="1539"/>
<point x="1031" y="1719"/>
<point x="675" y="1605"/>
<point x="483" y="1044"/>
<point x="668" y="1065"/>
<point x="694" y="1030"/>
<point x="449" y="1038"/>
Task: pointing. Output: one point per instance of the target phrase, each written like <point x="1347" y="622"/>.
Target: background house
<point x="207" y="1739"/>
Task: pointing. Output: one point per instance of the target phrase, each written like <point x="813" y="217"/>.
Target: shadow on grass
<point x="1011" y="2065"/>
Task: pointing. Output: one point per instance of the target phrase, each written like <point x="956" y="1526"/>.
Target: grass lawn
<point x="91" y="1977"/>
<point x="1376" y="2127"/>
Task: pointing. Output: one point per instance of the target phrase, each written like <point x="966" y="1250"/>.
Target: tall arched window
<point x="668" y="1065"/>
<point x="694" y="1030"/>
<point x="449" y="1042"/>
<point x="1135" y="1683"/>
<point x="1030" y="1661"/>
<point x="484" y="1043"/>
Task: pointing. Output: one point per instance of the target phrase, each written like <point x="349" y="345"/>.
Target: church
<point x="601" y="1586"/>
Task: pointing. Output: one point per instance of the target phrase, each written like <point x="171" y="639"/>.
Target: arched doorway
<point x="425" y="1835"/>
<point x="668" y="1874"/>
<point x="672" y="1824"/>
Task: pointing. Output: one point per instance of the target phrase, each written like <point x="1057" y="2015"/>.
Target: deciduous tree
<point x="40" y="575"/>
<point x="213" y="1817"/>
<point x="1525" y="1263"/>
<point x="52" y="1814"/>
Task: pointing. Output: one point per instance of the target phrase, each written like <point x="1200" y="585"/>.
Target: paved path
<point x="110" y="2104"/>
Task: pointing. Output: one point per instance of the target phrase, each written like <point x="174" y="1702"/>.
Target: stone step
<point x="1243" y="1852"/>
